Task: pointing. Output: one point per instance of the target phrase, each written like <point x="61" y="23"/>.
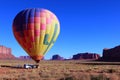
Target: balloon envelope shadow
<point x="17" y="67"/>
<point x="26" y="66"/>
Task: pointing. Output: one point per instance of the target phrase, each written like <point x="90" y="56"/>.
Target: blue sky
<point x="86" y="25"/>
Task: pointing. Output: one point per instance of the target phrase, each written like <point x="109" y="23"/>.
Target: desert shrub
<point x="68" y="78"/>
<point x="66" y="74"/>
<point x="111" y="70"/>
<point x="99" y="77"/>
<point x="114" y="77"/>
<point x="88" y="70"/>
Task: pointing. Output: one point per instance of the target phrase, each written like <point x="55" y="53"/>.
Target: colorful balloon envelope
<point x="36" y="30"/>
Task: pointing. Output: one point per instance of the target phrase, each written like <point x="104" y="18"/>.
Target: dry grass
<point x="60" y="70"/>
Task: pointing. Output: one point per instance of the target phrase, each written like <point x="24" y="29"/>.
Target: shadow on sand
<point x="26" y="66"/>
<point x="17" y="67"/>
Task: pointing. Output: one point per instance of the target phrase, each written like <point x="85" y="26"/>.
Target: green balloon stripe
<point x="52" y="40"/>
<point x="46" y="39"/>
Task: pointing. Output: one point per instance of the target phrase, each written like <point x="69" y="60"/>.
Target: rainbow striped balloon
<point x="36" y="30"/>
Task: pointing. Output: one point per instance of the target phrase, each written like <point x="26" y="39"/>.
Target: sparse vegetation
<point x="59" y="70"/>
<point x="99" y="77"/>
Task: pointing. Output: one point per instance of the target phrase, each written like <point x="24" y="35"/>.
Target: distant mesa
<point x="112" y="54"/>
<point x="27" y="57"/>
<point x="86" y="55"/>
<point x="24" y="57"/>
<point x="6" y="53"/>
<point x="57" y="57"/>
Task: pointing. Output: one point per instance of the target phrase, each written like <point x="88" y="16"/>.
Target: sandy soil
<point x="60" y="70"/>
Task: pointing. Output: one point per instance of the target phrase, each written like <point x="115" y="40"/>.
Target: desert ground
<point x="60" y="70"/>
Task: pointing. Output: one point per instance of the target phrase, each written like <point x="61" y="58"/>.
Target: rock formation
<point x="27" y="57"/>
<point x="112" y="54"/>
<point x="86" y="56"/>
<point x="6" y="53"/>
<point x="57" y="57"/>
<point x="24" y="57"/>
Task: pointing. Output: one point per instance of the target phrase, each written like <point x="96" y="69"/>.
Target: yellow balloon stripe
<point x="57" y="32"/>
<point x="52" y="39"/>
<point x="51" y="32"/>
<point x="42" y="35"/>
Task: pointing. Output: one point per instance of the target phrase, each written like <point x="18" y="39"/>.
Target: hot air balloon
<point x="36" y="30"/>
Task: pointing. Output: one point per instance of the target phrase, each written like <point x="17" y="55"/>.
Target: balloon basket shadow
<point x="25" y="66"/>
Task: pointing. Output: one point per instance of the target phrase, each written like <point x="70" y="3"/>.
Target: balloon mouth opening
<point x="37" y="61"/>
<point x="37" y="58"/>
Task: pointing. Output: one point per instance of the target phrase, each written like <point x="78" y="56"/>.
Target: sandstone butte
<point x="112" y="54"/>
<point x="86" y="55"/>
<point x="6" y="53"/>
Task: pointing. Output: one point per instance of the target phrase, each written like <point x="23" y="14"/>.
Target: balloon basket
<point x="31" y="66"/>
